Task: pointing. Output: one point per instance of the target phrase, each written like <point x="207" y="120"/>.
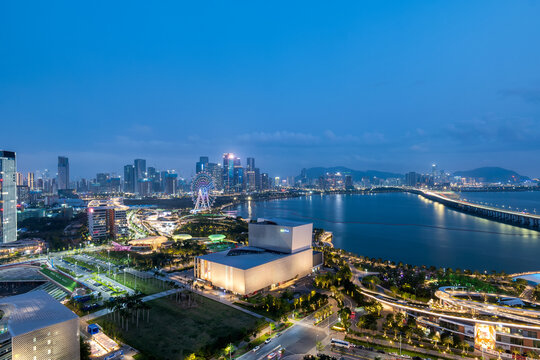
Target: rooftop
<point x="33" y="310"/>
<point x="281" y="222"/>
<point x="243" y="258"/>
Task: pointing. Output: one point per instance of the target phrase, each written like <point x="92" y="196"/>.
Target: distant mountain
<point x="316" y="172"/>
<point x="492" y="175"/>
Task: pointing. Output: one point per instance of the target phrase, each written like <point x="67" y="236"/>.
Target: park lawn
<point x="174" y="332"/>
<point x="60" y="278"/>
<point x="145" y="286"/>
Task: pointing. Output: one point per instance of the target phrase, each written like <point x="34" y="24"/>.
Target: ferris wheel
<point x="202" y="194"/>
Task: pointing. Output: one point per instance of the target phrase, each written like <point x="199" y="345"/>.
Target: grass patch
<point x="145" y="286"/>
<point x="175" y="331"/>
<point x="60" y="278"/>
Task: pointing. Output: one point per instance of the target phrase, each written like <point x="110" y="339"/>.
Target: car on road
<point x="267" y="340"/>
<point x="256" y="348"/>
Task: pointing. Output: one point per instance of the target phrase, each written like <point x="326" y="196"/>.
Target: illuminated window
<point x="48" y="342"/>
<point x="34" y="348"/>
<point x="49" y="351"/>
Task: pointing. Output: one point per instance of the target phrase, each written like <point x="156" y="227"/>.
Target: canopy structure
<point x="216" y="237"/>
<point x="182" y="237"/>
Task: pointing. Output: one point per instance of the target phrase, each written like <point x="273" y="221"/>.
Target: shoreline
<point x="366" y="252"/>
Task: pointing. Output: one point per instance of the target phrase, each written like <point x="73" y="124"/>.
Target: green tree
<point x="85" y="349"/>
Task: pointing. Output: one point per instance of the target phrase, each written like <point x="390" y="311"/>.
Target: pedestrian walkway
<point x="104" y="312"/>
<point x="222" y="300"/>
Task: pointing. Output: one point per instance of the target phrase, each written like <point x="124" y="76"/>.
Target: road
<point x="301" y="338"/>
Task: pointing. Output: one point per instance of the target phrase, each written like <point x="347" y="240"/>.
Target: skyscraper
<point x="250" y="166"/>
<point x="228" y="171"/>
<point x="170" y="183"/>
<point x="202" y="164"/>
<point x="20" y="179"/>
<point x="217" y="175"/>
<point x="63" y="173"/>
<point x="238" y="175"/>
<point x="8" y="197"/>
<point x="140" y="173"/>
<point x="30" y="180"/>
<point x="129" y="179"/>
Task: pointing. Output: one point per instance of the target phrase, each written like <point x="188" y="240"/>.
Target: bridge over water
<point x="524" y="219"/>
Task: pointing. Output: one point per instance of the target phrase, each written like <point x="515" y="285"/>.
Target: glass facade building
<point x="8" y="197"/>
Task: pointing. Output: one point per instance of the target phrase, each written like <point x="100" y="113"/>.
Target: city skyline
<point x="362" y="86"/>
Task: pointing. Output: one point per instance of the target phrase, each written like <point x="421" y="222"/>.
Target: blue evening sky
<point x="386" y="85"/>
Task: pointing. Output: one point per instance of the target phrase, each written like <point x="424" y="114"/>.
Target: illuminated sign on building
<point x="285" y="230"/>
<point x="484" y="336"/>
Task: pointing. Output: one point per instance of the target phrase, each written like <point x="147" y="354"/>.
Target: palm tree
<point x="408" y="334"/>
<point x="500" y="350"/>
<point x="464" y="346"/>
<point x="449" y="340"/>
<point x="436" y="339"/>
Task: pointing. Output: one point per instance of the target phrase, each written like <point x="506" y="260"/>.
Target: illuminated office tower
<point x="228" y="172"/>
<point x="8" y="197"/>
<point x="201" y="165"/>
<point x="63" y="173"/>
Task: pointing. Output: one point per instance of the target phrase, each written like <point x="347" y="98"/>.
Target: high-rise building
<point x="63" y="173"/>
<point x="30" y="180"/>
<point x="37" y="326"/>
<point x="250" y="166"/>
<point x="23" y="194"/>
<point x="107" y="218"/>
<point x="251" y="182"/>
<point x="412" y="178"/>
<point x="20" y="179"/>
<point x="202" y="164"/>
<point x="238" y="175"/>
<point x="155" y="179"/>
<point x="8" y="197"/>
<point x="265" y="181"/>
<point x="258" y="185"/>
<point x="140" y="173"/>
<point x="228" y="172"/>
<point x="129" y="179"/>
<point x="170" y="182"/>
<point x="215" y="170"/>
<point x="349" y="182"/>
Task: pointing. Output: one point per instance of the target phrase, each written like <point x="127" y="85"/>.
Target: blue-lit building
<point x="8" y="197"/>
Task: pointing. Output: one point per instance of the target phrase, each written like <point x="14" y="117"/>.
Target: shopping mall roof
<point x="33" y="310"/>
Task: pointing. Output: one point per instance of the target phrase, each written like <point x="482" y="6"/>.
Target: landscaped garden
<point x="63" y="280"/>
<point x="176" y="327"/>
<point x="146" y="286"/>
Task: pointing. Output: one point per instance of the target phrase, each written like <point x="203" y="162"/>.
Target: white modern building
<point x="8" y="197"/>
<point x="36" y="326"/>
<point x="278" y="251"/>
<point x="107" y="218"/>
